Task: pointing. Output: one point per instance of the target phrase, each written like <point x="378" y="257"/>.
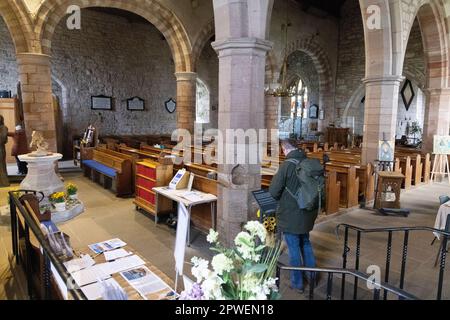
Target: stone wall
<point x="351" y="56"/>
<point x="114" y="57"/>
<point x="9" y="76"/>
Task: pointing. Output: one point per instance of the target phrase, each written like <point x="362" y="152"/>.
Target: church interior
<point x="97" y="96"/>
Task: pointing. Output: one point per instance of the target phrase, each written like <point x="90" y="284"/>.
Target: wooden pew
<point x="346" y="175"/>
<point x="404" y="166"/>
<point x="333" y="189"/>
<point x="118" y="175"/>
<point x="427" y="169"/>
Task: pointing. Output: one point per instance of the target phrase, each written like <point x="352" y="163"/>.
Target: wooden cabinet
<point x="339" y="135"/>
<point x="150" y="174"/>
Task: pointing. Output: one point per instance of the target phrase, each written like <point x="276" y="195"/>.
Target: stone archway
<point x="52" y="11"/>
<point x="206" y="34"/>
<point x="435" y="35"/>
<point x="323" y="68"/>
<point x="12" y="18"/>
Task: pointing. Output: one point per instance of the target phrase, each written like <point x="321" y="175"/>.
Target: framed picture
<point x="136" y="104"/>
<point x="441" y="145"/>
<point x="386" y="151"/>
<point x="321" y="114"/>
<point x="407" y="94"/>
<point x="101" y="102"/>
<point x="171" y="105"/>
<point x="313" y="111"/>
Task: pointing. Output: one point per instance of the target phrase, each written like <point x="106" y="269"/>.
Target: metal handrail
<point x="390" y="231"/>
<point x="349" y="272"/>
<point x="47" y="251"/>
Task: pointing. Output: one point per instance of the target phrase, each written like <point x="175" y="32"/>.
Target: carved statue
<point x="37" y="140"/>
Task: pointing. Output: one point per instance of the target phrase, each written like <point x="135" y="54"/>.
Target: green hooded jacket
<point x="290" y="218"/>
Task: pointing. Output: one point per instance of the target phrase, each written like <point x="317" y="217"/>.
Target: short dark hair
<point x="289" y="143"/>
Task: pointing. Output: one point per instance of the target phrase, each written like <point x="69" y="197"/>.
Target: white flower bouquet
<point x="245" y="272"/>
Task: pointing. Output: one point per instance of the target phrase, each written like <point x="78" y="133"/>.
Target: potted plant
<point x="59" y="201"/>
<point x="245" y="272"/>
<point x="72" y="191"/>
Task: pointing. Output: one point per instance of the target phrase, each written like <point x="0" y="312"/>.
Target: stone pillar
<point x="286" y="109"/>
<point x="186" y="99"/>
<point x="241" y="106"/>
<point x="241" y="30"/>
<point x="273" y="105"/>
<point x="380" y="113"/>
<point x="437" y="116"/>
<point x="35" y="77"/>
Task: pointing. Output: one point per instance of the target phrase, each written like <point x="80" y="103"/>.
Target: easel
<point x="440" y="167"/>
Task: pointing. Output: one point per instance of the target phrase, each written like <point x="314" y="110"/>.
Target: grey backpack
<point x="311" y="193"/>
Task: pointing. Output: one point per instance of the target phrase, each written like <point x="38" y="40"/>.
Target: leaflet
<point x="116" y="254"/>
<point x="148" y="284"/>
<point x="94" y="291"/>
<point x="79" y="264"/>
<point x="108" y="245"/>
<point x="90" y="275"/>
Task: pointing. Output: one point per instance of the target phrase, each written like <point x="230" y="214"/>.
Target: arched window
<point x="301" y="93"/>
<point x="203" y="103"/>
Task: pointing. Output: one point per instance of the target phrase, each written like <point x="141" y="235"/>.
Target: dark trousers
<point x="300" y="254"/>
<point x="21" y="166"/>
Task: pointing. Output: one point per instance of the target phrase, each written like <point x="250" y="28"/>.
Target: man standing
<point x="20" y="147"/>
<point x="294" y="223"/>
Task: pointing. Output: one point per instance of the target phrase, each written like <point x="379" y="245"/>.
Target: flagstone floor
<point x="108" y="217"/>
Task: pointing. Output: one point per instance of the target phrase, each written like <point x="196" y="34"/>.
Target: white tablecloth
<point x="441" y="218"/>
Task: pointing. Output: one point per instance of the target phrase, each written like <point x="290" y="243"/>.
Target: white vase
<point x="73" y="196"/>
<point x="60" y="206"/>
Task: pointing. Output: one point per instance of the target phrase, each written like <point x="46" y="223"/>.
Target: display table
<point x="388" y="190"/>
<point x="177" y="196"/>
<point x="41" y="174"/>
<point x="131" y="292"/>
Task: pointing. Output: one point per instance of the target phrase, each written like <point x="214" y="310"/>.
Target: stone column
<point x="380" y="114"/>
<point x="241" y="30"/>
<point x="273" y="105"/>
<point x="437" y="116"/>
<point x="285" y="107"/>
<point x="35" y="77"/>
<point x="186" y="99"/>
<point x="241" y="107"/>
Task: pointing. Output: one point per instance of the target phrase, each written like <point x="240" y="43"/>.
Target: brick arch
<point x="271" y="67"/>
<point x="319" y="57"/>
<point x="208" y="31"/>
<point x="436" y="43"/>
<point x="52" y="11"/>
<point x="324" y="71"/>
<point x="12" y="18"/>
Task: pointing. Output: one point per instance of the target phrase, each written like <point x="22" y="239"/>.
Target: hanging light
<point x="283" y="90"/>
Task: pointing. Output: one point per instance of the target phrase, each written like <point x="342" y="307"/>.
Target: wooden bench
<point x="333" y="193"/>
<point x="112" y="171"/>
<point x="346" y="175"/>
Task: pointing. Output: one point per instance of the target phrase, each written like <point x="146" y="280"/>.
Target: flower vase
<point x="60" y="206"/>
<point x="73" y="196"/>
